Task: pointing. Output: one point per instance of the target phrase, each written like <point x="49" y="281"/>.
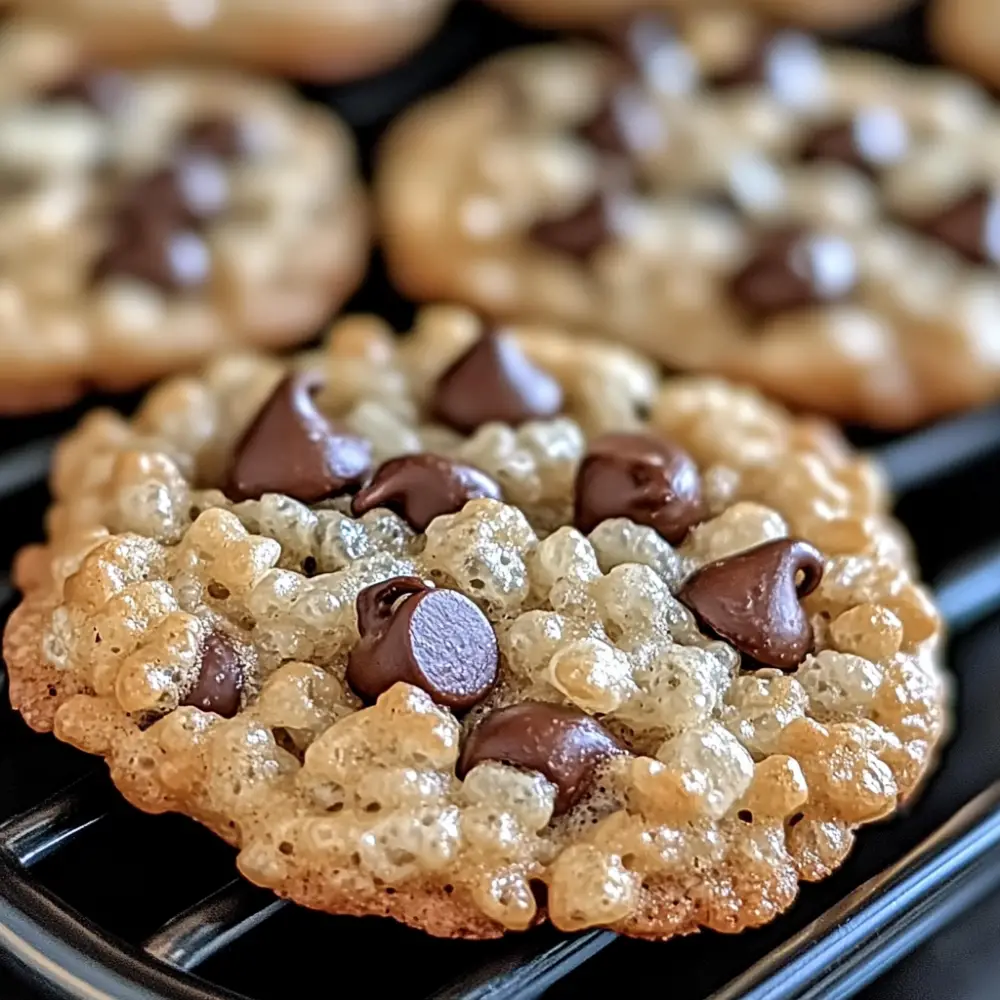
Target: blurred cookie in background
<point x="149" y="220"/>
<point x="967" y="33"/>
<point x="726" y="197"/>
<point x="828" y="15"/>
<point x="305" y="39"/>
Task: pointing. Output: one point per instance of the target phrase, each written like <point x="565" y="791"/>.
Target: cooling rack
<point x="99" y="902"/>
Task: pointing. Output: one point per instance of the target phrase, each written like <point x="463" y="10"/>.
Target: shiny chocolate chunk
<point x="562" y="743"/>
<point x="291" y="448"/>
<point x="216" y="136"/>
<point x="578" y="234"/>
<point x="437" y="640"/>
<point x="647" y="45"/>
<point x="872" y="140"/>
<point x="103" y="90"/>
<point x="752" y="600"/>
<point x="642" y="477"/>
<point x="970" y="226"/>
<point x="494" y="381"/>
<point x="793" y="269"/>
<point x="156" y="251"/>
<point x="604" y="131"/>
<point x="220" y="678"/>
<point x="420" y="488"/>
<point x="789" y="63"/>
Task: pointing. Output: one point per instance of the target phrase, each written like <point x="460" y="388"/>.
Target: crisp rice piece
<point x="299" y="602"/>
<point x="726" y="197"/>
<point x="303" y="39"/>
<point x="150" y="220"/>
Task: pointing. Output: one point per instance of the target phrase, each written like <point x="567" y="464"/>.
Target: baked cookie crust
<point x="667" y="735"/>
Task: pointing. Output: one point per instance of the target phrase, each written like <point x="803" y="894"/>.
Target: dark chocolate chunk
<point x="437" y="640"/>
<point x="494" y="381"/>
<point x="291" y="448"/>
<point x="787" y="62"/>
<point x="970" y="226"/>
<point x="103" y="90"/>
<point x="420" y="488"/>
<point x="578" y="234"/>
<point x="562" y="743"/>
<point x="642" y="477"/>
<point x="872" y="140"/>
<point x="793" y="269"/>
<point x="220" y="678"/>
<point x="216" y="135"/>
<point x="752" y="600"/>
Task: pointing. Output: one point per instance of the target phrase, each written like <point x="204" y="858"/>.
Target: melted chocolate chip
<point x="437" y="640"/>
<point x="217" y="136"/>
<point x="793" y="269"/>
<point x="752" y="600"/>
<point x="604" y="131"/>
<point x="220" y="678"/>
<point x="579" y="234"/>
<point x="647" y="45"/>
<point x="872" y="140"/>
<point x="103" y="90"/>
<point x="420" y="488"/>
<point x="970" y="226"/>
<point x="642" y="477"/>
<point x="787" y="62"/>
<point x="291" y="448"/>
<point x="562" y="743"/>
<point x="494" y="381"/>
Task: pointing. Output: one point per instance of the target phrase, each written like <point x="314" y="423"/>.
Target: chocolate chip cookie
<point x="485" y="626"/>
<point x="304" y="39"/>
<point x="822" y="14"/>
<point x="149" y="220"/>
<point x="726" y="197"/>
<point x="967" y="33"/>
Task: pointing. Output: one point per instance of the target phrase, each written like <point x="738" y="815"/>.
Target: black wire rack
<point x="100" y="902"/>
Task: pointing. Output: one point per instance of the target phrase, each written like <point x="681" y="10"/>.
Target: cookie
<point x="148" y="220"/>
<point x="303" y="39"/>
<point x="426" y="627"/>
<point x="967" y="33"/>
<point x="821" y="14"/>
<point x="826" y="234"/>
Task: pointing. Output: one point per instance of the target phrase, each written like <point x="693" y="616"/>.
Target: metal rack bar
<point x="207" y="927"/>
<point x="34" y="835"/>
<point x="25" y="466"/>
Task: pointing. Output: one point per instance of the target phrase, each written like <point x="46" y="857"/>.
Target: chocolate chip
<point x="752" y="600"/>
<point x="642" y="477"/>
<point x="787" y="62"/>
<point x="604" y="131"/>
<point x="420" y="488"/>
<point x="494" y="381"/>
<point x="291" y="448"/>
<point x="151" y="250"/>
<point x="649" y="47"/>
<point x="217" y="136"/>
<point x="103" y="90"/>
<point x="872" y="140"/>
<point x="578" y="234"/>
<point x="437" y="640"/>
<point x="220" y="678"/>
<point x="792" y="269"/>
<point x="970" y="226"/>
<point x="562" y="743"/>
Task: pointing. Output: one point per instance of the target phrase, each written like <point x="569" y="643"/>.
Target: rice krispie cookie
<point x="822" y="14"/>
<point x="967" y="33"/>
<point x="324" y="40"/>
<point x="725" y="197"/>
<point x="484" y="627"/>
<point x="149" y="220"/>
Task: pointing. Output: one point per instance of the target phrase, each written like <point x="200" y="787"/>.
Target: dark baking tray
<point x="98" y="901"/>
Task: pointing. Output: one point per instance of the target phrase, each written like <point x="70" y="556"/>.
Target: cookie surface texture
<point x="726" y="197"/>
<point x="431" y="708"/>
<point x="303" y="39"/>
<point x="149" y="220"/>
